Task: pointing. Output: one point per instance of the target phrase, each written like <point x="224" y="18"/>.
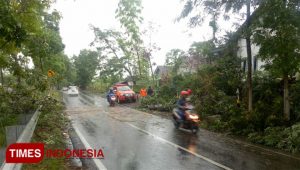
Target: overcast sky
<point x="79" y="14"/>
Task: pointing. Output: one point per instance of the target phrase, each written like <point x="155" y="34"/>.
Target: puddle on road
<point x="89" y="126"/>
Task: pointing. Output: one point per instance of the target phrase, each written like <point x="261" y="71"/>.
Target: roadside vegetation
<point x="30" y="47"/>
<point x="50" y="130"/>
<point x="231" y="94"/>
<point x="261" y="105"/>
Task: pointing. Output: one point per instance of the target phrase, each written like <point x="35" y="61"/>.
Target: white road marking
<point x="97" y="162"/>
<point x="177" y="146"/>
<point x="244" y="144"/>
<point x="173" y="144"/>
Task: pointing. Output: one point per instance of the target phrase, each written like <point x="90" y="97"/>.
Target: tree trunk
<point x="139" y="63"/>
<point x="214" y="27"/>
<point x="249" y="59"/>
<point x="17" y="71"/>
<point x="41" y="64"/>
<point x="150" y="65"/>
<point x="130" y="73"/>
<point x="286" y="102"/>
<point x="2" y="78"/>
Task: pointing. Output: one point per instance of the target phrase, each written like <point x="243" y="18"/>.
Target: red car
<point x="124" y="93"/>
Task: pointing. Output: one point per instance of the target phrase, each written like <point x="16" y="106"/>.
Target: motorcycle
<point x="112" y="100"/>
<point x="191" y="121"/>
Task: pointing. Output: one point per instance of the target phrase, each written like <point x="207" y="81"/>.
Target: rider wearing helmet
<point x="181" y="103"/>
<point x="189" y="95"/>
<point x="189" y="91"/>
<point x="110" y="93"/>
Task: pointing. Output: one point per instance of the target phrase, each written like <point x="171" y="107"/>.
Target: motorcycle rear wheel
<point x="176" y="124"/>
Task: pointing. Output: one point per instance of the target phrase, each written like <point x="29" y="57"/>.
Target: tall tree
<point x="112" y="71"/>
<point x="204" y="9"/>
<point x="112" y="45"/>
<point x="236" y="6"/>
<point x="175" y="58"/>
<point x="129" y="15"/>
<point x="25" y="32"/>
<point x="86" y="64"/>
<point x="202" y="52"/>
<point x="249" y="58"/>
<point x="150" y="47"/>
<point x="70" y="73"/>
<point x="214" y="7"/>
<point x="278" y="35"/>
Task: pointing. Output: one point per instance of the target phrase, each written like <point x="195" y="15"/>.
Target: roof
<point x="162" y="70"/>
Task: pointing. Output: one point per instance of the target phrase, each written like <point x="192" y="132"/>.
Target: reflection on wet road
<point x="133" y="140"/>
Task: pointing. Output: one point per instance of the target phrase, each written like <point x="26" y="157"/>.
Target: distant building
<point x="189" y="65"/>
<point x="257" y="64"/>
<point x="162" y="71"/>
<point x="162" y="74"/>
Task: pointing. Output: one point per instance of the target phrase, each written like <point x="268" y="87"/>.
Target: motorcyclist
<point x="189" y="91"/>
<point x="188" y="99"/>
<point x="110" y="93"/>
<point x="181" y="104"/>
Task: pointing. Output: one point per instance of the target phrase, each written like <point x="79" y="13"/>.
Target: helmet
<point x="189" y="91"/>
<point x="182" y="93"/>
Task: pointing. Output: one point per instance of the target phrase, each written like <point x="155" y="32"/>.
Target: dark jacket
<point x="150" y="92"/>
<point x="181" y="103"/>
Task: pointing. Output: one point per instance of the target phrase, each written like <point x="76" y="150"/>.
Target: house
<point x="188" y="66"/>
<point x="241" y="51"/>
<point x="194" y="61"/>
<point x="257" y="64"/>
<point x="162" y="71"/>
<point x="162" y="74"/>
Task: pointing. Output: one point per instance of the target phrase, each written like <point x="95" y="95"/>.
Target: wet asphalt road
<point x="134" y="140"/>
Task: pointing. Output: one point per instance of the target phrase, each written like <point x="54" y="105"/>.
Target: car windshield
<point x="123" y="88"/>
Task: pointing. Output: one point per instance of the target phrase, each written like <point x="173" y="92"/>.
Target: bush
<point x="167" y="92"/>
<point x="295" y="98"/>
<point x="279" y="137"/>
<point x="219" y="126"/>
<point x="239" y="124"/>
<point x="18" y="100"/>
<point x="267" y="101"/>
<point x="293" y="139"/>
<point x="49" y="130"/>
<point x="158" y="103"/>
